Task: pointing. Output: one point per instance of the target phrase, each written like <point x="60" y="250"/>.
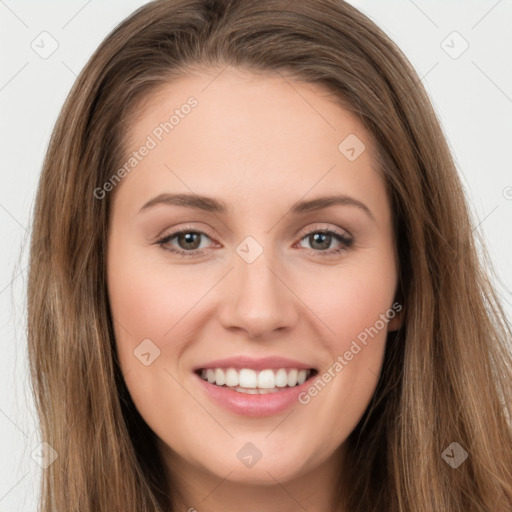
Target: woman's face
<point x="265" y="268"/>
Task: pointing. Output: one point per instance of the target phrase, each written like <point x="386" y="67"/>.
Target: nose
<point x="257" y="299"/>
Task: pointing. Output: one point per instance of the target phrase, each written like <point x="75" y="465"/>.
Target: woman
<point x="192" y="347"/>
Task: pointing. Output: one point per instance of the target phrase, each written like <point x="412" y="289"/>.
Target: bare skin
<point x="258" y="143"/>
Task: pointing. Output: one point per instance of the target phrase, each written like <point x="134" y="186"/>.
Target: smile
<point x="250" y="392"/>
<point x="247" y="380"/>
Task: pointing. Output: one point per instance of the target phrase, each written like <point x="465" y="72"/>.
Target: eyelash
<point x="345" y="242"/>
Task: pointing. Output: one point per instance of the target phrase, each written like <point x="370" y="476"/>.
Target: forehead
<point x="232" y="99"/>
<point x="228" y="129"/>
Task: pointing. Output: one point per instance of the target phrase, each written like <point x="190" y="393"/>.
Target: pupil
<point x="189" y="240"/>
<point x="316" y="237"/>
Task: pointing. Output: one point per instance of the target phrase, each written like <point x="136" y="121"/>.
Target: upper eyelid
<point x="208" y="233"/>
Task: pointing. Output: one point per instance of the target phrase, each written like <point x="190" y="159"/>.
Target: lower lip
<point x="254" y="405"/>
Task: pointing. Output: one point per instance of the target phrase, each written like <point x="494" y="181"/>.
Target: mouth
<point x="254" y="382"/>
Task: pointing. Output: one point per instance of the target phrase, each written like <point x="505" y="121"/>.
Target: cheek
<point x="351" y="300"/>
<point x="150" y="301"/>
<point x="356" y="305"/>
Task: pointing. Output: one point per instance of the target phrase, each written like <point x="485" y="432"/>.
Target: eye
<point x="321" y="240"/>
<point x="187" y="240"/>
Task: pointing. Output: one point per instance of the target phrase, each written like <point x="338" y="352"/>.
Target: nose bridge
<point x="257" y="300"/>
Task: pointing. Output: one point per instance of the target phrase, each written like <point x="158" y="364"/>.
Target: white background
<point x="472" y="95"/>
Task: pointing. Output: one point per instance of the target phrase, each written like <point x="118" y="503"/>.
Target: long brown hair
<point x="447" y="374"/>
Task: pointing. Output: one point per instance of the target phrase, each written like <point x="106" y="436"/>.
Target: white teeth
<point x="220" y="378"/>
<point x="249" y="391"/>
<point x="292" y="377"/>
<point x="266" y="379"/>
<point x="231" y="377"/>
<point x="281" y="378"/>
<point x="256" y="391"/>
<point x="248" y="380"/>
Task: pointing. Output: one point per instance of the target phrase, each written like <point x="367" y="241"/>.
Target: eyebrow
<point x="209" y="204"/>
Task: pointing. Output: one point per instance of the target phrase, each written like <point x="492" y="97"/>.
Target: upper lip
<point x="263" y="363"/>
